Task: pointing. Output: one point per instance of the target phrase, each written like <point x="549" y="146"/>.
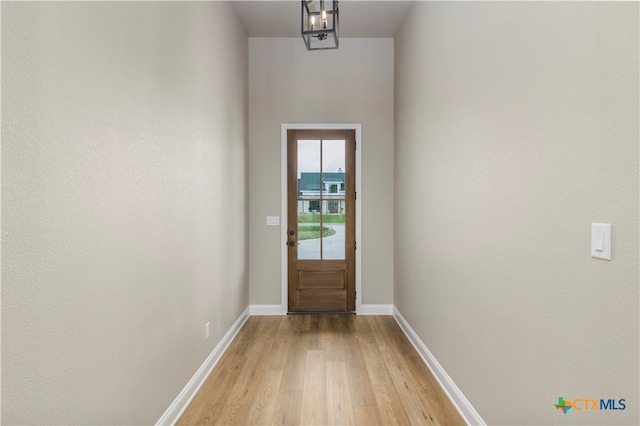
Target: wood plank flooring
<point x="321" y="370"/>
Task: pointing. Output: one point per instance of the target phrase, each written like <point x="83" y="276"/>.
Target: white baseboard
<point x="375" y="310"/>
<point x="182" y="401"/>
<point x="267" y="310"/>
<point x="361" y="310"/>
<point x="464" y="407"/>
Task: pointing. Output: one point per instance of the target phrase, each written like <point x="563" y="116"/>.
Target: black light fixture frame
<point x="311" y="36"/>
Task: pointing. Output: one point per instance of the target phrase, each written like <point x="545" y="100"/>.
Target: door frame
<point x="283" y="207"/>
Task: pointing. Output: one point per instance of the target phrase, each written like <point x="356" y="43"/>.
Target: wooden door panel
<point x="321" y="265"/>
<point x="318" y="280"/>
<point x="321" y="301"/>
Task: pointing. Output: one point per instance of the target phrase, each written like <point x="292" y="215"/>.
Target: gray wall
<point x="288" y="84"/>
<point x="516" y="128"/>
<point x="124" y="204"/>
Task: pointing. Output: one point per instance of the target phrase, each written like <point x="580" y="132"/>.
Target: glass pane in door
<point x="309" y="235"/>
<point x="321" y="199"/>
<point x="309" y="199"/>
<point x="333" y="203"/>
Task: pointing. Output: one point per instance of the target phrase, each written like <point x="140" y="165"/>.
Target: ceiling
<point x="357" y="18"/>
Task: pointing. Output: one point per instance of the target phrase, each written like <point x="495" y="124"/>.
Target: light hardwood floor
<point x="321" y="370"/>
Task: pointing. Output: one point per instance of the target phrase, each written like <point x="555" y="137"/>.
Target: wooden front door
<point x="321" y="220"/>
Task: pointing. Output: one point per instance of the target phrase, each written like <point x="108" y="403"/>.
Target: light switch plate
<point x="601" y="240"/>
<point x="273" y="220"/>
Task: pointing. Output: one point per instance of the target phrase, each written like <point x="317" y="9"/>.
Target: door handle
<point x="291" y="243"/>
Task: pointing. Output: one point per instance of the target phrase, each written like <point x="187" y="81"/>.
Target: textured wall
<point x="124" y="193"/>
<point x="354" y="84"/>
<point x="516" y="128"/>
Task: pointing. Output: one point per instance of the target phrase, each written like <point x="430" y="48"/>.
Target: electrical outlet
<point x="206" y="330"/>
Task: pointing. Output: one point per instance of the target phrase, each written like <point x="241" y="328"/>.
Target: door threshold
<point x="322" y="313"/>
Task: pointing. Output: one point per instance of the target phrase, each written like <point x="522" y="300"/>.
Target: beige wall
<point x="288" y="84"/>
<point x="516" y="128"/>
<point x="123" y="125"/>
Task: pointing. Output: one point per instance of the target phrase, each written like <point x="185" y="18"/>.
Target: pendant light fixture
<point x="319" y="26"/>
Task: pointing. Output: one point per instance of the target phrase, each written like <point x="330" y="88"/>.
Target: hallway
<point x="322" y="369"/>
<point x="144" y="212"/>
